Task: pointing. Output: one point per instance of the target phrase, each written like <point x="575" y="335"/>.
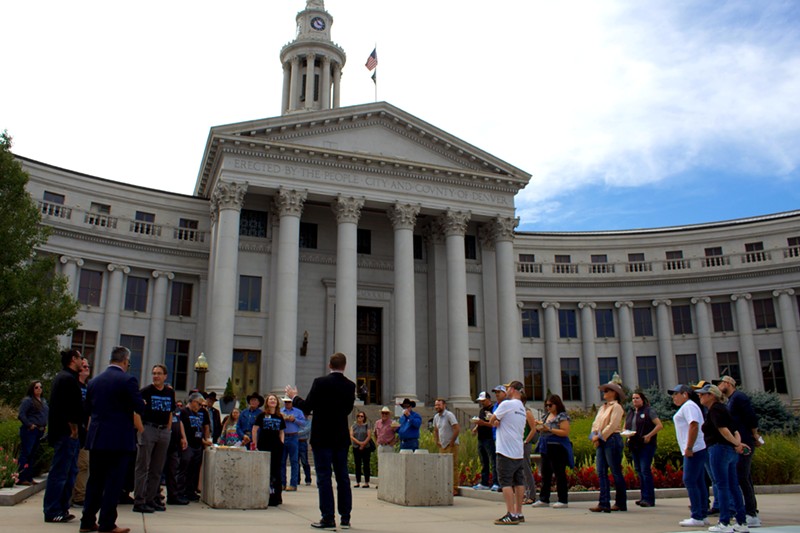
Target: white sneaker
<point x="540" y="503"/>
<point x="691" y="522"/>
<point x="559" y="505"/>
<point x="721" y="528"/>
<point x="496" y="488"/>
<point x="741" y="528"/>
<point x="753" y="521"/>
<point x="479" y="486"/>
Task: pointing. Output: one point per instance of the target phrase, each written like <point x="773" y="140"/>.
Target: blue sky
<point x="628" y="114"/>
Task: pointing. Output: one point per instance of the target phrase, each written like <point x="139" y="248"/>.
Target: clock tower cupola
<point x="312" y="63"/>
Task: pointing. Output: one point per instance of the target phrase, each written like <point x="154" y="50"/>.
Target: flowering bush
<point x="8" y="469"/>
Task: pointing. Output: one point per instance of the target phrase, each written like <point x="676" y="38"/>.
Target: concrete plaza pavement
<point x="779" y="512"/>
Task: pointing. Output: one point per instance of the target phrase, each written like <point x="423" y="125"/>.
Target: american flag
<point x="372" y="60"/>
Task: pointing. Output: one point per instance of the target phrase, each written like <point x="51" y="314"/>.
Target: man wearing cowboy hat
<point x="410" y="423"/>
<point x="247" y="417"/>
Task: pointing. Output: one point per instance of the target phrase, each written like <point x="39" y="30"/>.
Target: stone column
<point x="708" y="366"/>
<point x="590" y="373"/>
<point x="229" y="198"/>
<point x="455" y="226"/>
<point x="552" y="362"/>
<point x="212" y="255"/>
<point x="337" y="83"/>
<point x="666" y="358"/>
<point x="158" y="315"/>
<point x="507" y="311"/>
<point x="69" y="269"/>
<point x="289" y="205"/>
<point x="403" y="218"/>
<point x="348" y="211"/>
<point x="287" y="87"/>
<point x="310" y="59"/>
<point x="628" y="362"/>
<point x="748" y="357"/>
<point x="111" y="311"/>
<point x="294" y="85"/>
<point x="791" y="344"/>
<point x="325" y="81"/>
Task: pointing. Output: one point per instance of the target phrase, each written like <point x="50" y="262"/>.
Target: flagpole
<point x="375" y="77"/>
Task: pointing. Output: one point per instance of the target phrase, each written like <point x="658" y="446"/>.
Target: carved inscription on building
<point x="378" y="183"/>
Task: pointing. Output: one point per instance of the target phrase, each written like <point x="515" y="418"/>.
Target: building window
<point x="85" y="342"/>
<point x="181" y="304"/>
<point x="308" y="235"/>
<point x="772" y="371"/>
<point x="53" y="198"/>
<point x="253" y="223"/>
<point x="567" y="324"/>
<point x="98" y="215"/>
<point x="764" y="312"/>
<point x="187" y="230"/>
<point x="534" y="378"/>
<point x="527" y="258"/>
<point x="571" y="379"/>
<point x="728" y="365"/>
<point x="363" y="241"/>
<point x="687" y="368"/>
<point x="144" y="223"/>
<point x="136" y="294"/>
<point x="418" y="247"/>
<point x="674" y="254"/>
<point x="250" y="293"/>
<point x="722" y="316"/>
<point x="636" y="258"/>
<point x="472" y="315"/>
<point x="794" y="247"/>
<point x="754" y="252"/>
<point x="530" y="323"/>
<point x="642" y="322"/>
<point x="89" y="288"/>
<point x="177" y="362"/>
<point x="470" y="247"/>
<point x="607" y="367"/>
<point x="604" y="321"/>
<point x="682" y="319"/>
<point x="647" y="371"/>
<point x="714" y="257"/>
<point x="600" y="264"/>
<point x="563" y="259"/>
<point x="135" y="344"/>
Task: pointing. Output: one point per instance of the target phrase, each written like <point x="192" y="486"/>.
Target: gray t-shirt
<point x="444" y="424"/>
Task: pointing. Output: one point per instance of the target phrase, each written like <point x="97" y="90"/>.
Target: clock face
<point x="318" y="24"/>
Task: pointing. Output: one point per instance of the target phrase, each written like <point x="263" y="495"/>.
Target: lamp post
<point x="201" y="369"/>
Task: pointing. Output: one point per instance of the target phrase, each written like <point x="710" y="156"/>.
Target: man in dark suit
<point x="331" y="400"/>
<point x="111" y="399"/>
<point x="214" y="416"/>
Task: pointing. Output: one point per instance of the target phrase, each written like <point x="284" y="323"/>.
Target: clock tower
<point x="312" y="63"/>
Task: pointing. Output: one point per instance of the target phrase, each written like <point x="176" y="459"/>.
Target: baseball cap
<point x="500" y="388"/>
<point x="726" y="379"/>
<point x="679" y="388"/>
<point x="482" y="396"/>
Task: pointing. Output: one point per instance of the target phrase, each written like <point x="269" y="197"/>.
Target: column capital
<point x="779" y="292"/>
<point x="665" y="303"/>
<point x="620" y="305"/>
<point x="347" y="209"/>
<point x="455" y="222"/>
<point x="697" y="299"/>
<point x="503" y="228"/>
<point x="742" y="296"/>
<point x="554" y="305"/>
<point x="486" y="236"/>
<point x="588" y="305"/>
<point x="290" y="202"/>
<point x="295" y="60"/>
<point x="311" y="56"/>
<point x="433" y="232"/>
<point x="403" y="216"/>
<point x="64" y="259"/>
<point x="114" y="266"/>
<point x="228" y="195"/>
<point x="164" y="274"/>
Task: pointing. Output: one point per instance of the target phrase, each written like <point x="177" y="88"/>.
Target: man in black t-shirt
<point x="196" y="426"/>
<point x="486" y="447"/>
<point x="153" y="441"/>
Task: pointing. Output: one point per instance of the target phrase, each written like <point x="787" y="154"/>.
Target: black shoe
<point x="125" y="498"/>
<point x="178" y="501"/>
<point x="324" y="524"/>
<point x="193" y="498"/>
<point x="158" y="506"/>
<point x="143" y="508"/>
<point x="61" y="518"/>
<point x="713" y="512"/>
<point x="344" y="523"/>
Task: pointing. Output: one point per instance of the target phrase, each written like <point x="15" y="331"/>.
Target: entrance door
<point x="246" y="365"/>
<point x="368" y="354"/>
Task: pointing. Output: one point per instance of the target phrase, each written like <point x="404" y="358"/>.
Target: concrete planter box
<point x="234" y="478"/>
<point x="416" y="479"/>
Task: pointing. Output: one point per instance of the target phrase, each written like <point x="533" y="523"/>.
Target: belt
<point x="157" y="426"/>
<point x="290" y="434"/>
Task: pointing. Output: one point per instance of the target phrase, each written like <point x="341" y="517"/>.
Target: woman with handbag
<point x="556" y="450"/>
<point x="644" y="422"/>
<point x="363" y="446"/>
<point x="33" y="415"/>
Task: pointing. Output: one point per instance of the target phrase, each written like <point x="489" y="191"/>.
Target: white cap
<point x="482" y="396"/>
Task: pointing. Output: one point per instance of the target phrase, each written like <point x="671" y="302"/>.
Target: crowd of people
<point x="111" y="438"/>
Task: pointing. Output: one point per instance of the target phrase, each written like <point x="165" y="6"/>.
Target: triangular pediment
<point x="377" y="131"/>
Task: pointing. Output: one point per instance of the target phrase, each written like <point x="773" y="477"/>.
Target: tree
<point x="35" y="305"/>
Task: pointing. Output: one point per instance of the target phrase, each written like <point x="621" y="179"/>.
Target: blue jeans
<point x="609" y="455"/>
<point x="409" y="444"/>
<point x="291" y="448"/>
<point x="302" y="456"/>
<point x="694" y="469"/>
<point x="328" y="462"/>
<point x="723" y="460"/>
<point x="488" y="455"/>
<point x="61" y="479"/>
<point x="643" y="464"/>
<point x="28" y="451"/>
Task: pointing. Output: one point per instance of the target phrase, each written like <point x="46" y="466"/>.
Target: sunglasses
<point x="548" y="405"/>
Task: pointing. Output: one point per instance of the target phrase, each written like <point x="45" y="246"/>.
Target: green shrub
<point x="9" y="436"/>
<point x="777" y="462"/>
<point x="773" y="415"/>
